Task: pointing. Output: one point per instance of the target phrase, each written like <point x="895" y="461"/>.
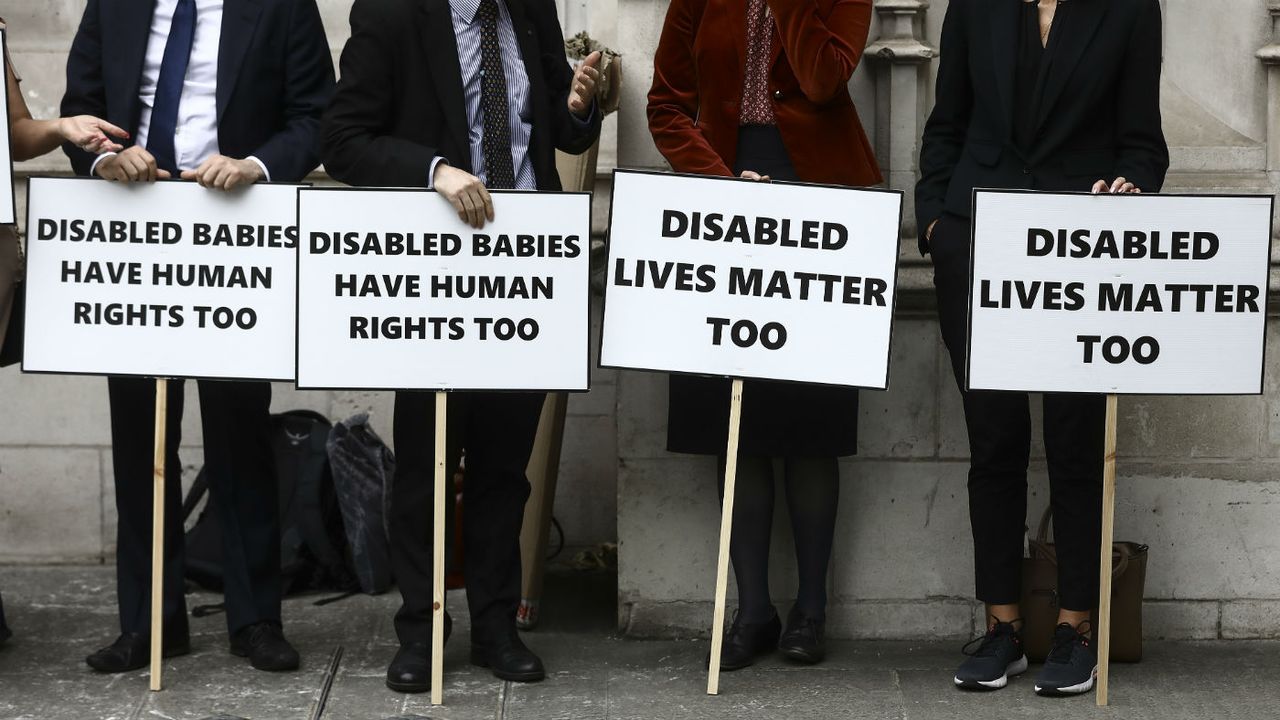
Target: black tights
<point x="813" y="491"/>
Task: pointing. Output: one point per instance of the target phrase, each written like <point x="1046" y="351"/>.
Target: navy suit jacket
<point x="275" y="76"/>
<point x="401" y="102"/>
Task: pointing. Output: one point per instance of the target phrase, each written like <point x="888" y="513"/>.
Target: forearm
<point x="33" y="138"/>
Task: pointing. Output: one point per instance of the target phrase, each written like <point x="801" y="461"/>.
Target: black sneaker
<point x="1071" y="666"/>
<point x="998" y="657"/>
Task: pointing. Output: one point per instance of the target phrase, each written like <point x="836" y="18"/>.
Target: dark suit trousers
<point x="238" y="460"/>
<point x="497" y="430"/>
<point x="999" y="426"/>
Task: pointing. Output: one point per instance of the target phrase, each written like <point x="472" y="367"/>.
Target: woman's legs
<point x="813" y="493"/>
<point x="752" y="532"/>
<point x="1074" y="449"/>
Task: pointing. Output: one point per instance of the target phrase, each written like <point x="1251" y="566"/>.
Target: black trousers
<point x="235" y="417"/>
<point x="497" y="430"/>
<point x="999" y="426"/>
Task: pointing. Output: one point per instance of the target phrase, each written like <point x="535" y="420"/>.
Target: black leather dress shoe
<point x="506" y="655"/>
<point x="803" y="640"/>
<point x="410" y="669"/>
<point x="264" y="644"/>
<point x="745" y="642"/>
<point x="132" y="651"/>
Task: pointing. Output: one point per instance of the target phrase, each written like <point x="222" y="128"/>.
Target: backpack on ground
<point x="313" y="547"/>
<point x="363" y="469"/>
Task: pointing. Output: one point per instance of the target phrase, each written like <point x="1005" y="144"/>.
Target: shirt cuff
<point x="93" y="169"/>
<point x="431" y="173"/>
<point x="590" y="119"/>
<point x="266" y="174"/>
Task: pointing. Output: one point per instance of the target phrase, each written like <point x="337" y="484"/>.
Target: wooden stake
<point x="437" y="547"/>
<point x="1105" y="569"/>
<point x="726" y="532"/>
<point x="157" y="535"/>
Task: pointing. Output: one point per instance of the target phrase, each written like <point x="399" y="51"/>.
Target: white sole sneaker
<point x="1083" y="687"/>
<point x="1017" y="667"/>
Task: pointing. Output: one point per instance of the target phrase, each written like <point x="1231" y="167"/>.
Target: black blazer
<point x="275" y="75"/>
<point x="400" y="102"/>
<point x="1099" y="119"/>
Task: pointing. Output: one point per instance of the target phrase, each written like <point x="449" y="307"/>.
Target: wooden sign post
<point x="437" y="547"/>
<point x="726" y="535"/>
<point x="1103" y="630"/>
<point x="1097" y="294"/>
<point x="424" y="302"/>
<point x="157" y="535"/>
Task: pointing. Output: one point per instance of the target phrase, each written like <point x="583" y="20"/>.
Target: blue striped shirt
<point x="467" y="28"/>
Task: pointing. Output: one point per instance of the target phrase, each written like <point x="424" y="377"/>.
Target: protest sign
<point x="727" y="277"/>
<point x="1148" y="294"/>
<point x="1117" y="294"/>
<point x="776" y="281"/>
<point x="8" y="197"/>
<point x="400" y="294"/>
<point x="163" y="280"/>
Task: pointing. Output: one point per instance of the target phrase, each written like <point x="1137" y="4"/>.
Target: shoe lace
<point x="987" y="645"/>
<point x="1065" y="640"/>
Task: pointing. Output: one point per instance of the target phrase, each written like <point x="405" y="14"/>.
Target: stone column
<point x="1270" y="57"/>
<point x="901" y="59"/>
<point x="639" y="27"/>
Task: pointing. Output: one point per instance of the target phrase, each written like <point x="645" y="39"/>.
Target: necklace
<point x="1046" y="28"/>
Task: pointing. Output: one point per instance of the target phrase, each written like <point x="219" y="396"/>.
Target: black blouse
<point x="1034" y="59"/>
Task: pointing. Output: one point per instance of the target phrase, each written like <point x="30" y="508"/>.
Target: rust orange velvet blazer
<point x="697" y="87"/>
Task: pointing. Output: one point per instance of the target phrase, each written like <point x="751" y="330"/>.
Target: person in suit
<point x="460" y="96"/>
<point x="1055" y="95"/>
<point x="225" y="93"/>
<point x="32" y="138"/>
<point x="758" y="89"/>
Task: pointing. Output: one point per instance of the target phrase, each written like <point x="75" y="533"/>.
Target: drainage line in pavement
<point x="329" y="674"/>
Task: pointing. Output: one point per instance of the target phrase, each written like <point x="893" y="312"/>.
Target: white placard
<point x="8" y="198"/>
<point x="727" y="277"/>
<point x="1123" y="294"/>
<point x="163" y="280"/>
<point x="402" y="295"/>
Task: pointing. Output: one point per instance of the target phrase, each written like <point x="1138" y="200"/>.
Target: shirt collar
<point x="466" y="9"/>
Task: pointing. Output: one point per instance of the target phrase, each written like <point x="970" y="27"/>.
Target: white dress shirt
<point x="196" y="139"/>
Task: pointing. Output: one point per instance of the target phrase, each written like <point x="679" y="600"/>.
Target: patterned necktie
<point x="493" y="99"/>
<point x="173" y="72"/>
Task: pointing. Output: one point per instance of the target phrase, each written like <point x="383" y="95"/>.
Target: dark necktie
<point x="493" y="98"/>
<point x="173" y="72"/>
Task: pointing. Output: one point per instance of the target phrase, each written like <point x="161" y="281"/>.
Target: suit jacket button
<point x="1026" y="171"/>
<point x="777" y="94"/>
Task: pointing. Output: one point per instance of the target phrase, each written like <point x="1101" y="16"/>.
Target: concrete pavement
<point x="60" y="614"/>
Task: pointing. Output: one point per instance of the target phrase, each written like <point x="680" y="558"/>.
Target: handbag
<point x="1040" y="596"/>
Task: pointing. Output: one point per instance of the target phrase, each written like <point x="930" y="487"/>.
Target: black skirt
<point x="778" y="418"/>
